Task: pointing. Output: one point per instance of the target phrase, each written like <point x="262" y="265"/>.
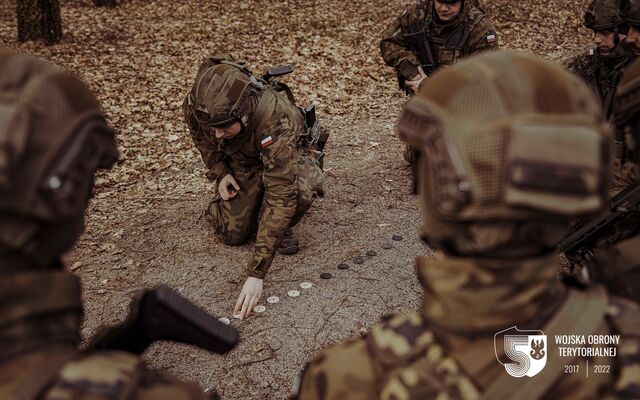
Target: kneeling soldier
<point x="265" y="155"/>
<point x="53" y="138"/>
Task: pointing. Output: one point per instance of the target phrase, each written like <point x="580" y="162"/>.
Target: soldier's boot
<point x="289" y="245"/>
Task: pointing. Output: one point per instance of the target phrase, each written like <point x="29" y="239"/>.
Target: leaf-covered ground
<point x="145" y="225"/>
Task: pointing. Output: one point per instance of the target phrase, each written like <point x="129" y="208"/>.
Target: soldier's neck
<point x="466" y="296"/>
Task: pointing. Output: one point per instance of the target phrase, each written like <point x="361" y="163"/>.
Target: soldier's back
<point x="406" y="357"/>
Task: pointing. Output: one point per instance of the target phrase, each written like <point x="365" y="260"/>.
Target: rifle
<point x="163" y="314"/>
<point x="315" y="134"/>
<point x="579" y="243"/>
<point x="276" y="72"/>
<point x="418" y="41"/>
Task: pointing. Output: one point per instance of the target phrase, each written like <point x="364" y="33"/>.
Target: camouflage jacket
<point x="273" y="151"/>
<point x="468" y="33"/>
<point x="40" y="316"/>
<point x="447" y="351"/>
<point x="601" y="72"/>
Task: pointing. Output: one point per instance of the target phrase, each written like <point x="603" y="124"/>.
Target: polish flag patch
<point x="491" y="38"/>
<point x="266" y="142"/>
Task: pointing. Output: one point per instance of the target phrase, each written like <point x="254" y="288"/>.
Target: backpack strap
<point x="581" y="312"/>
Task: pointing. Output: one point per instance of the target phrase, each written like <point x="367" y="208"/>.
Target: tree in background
<point x="39" y="20"/>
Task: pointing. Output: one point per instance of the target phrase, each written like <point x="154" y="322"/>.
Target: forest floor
<point x="145" y="225"/>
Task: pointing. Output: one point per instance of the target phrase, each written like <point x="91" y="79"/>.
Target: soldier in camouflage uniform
<point x="618" y="265"/>
<point x="513" y="151"/>
<point x="602" y="66"/>
<point x="53" y="137"/>
<point x="631" y="16"/>
<point x="252" y="141"/>
<point x="453" y="29"/>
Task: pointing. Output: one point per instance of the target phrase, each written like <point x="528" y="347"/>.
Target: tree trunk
<point x="105" y="3"/>
<point x="39" y="19"/>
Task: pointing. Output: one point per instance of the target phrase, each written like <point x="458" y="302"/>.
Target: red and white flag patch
<point x="491" y="38"/>
<point x="266" y="142"/>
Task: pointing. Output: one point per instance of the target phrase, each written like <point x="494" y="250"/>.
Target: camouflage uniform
<point x="617" y="262"/>
<point x="53" y="137"/>
<point x="603" y="71"/>
<point x="279" y="175"/>
<point x="468" y="33"/>
<point x="494" y="204"/>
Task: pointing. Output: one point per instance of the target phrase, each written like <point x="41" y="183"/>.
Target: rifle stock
<point x="164" y="314"/>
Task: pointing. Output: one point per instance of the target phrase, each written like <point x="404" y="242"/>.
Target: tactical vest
<point x="448" y="40"/>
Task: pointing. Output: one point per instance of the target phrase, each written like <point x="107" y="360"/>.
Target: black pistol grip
<point x="170" y="316"/>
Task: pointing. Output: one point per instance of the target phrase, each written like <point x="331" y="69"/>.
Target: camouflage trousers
<point x="236" y="220"/>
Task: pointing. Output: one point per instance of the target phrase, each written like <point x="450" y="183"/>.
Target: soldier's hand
<point x="228" y="187"/>
<point x="414" y="83"/>
<point x="249" y="297"/>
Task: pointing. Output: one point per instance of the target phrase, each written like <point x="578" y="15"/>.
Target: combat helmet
<point x="53" y="137"/>
<point x="220" y="94"/>
<point x="604" y="15"/>
<point x="513" y="148"/>
<point x="631" y="12"/>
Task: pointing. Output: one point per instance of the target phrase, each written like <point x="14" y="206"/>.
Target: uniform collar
<point x="479" y="296"/>
<point x="232" y="146"/>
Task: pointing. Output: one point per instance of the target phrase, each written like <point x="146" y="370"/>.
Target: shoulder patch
<point x="491" y="38"/>
<point x="266" y="142"/>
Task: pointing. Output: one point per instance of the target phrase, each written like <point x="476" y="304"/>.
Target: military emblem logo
<point x="522" y="353"/>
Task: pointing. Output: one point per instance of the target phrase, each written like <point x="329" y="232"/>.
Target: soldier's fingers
<point x="239" y="302"/>
<point x="245" y="308"/>
<point x="254" y="302"/>
<point x="235" y="184"/>
<point x="224" y="193"/>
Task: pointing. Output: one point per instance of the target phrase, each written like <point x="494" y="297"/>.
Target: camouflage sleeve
<point x="395" y="51"/>
<point x="213" y="159"/>
<point x="625" y="317"/>
<point x="483" y="37"/>
<point x="279" y="177"/>
<point x="121" y="375"/>
<point x="341" y="372"/>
